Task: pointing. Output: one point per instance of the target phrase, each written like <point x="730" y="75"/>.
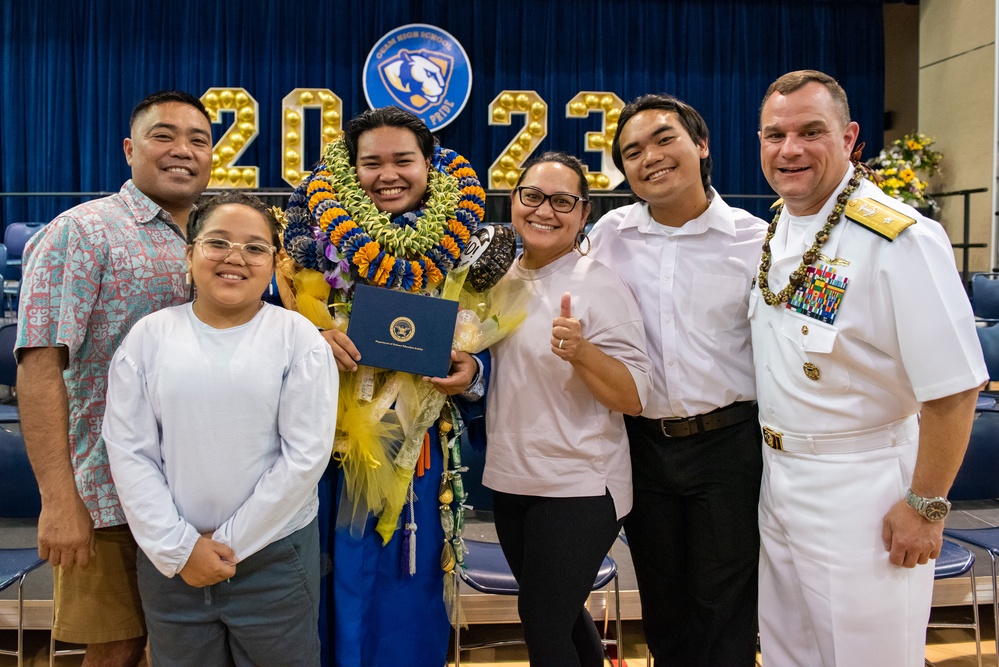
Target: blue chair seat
<point x="15" y="563"/>
<point x="486" y="570"/>
<point x="986" y="538"/>
<point x="953" y="561"/>
<point x="9" y="414"/>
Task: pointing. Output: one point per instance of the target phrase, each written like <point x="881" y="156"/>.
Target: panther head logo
<point x="417" y="79"/>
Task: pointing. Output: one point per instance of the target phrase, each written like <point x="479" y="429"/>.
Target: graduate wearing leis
<point x="389" y="208"/>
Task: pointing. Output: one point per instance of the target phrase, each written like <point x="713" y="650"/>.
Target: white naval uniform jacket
<point x="903" y="331"/>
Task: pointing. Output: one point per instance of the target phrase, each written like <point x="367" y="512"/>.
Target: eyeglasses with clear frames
<point x="254" y="254"/>
<point x="561" y="202"/>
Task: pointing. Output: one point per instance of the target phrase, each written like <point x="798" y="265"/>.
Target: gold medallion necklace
<point x="797" y="277"/>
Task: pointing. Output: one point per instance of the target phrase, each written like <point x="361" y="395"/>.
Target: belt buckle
<point x="773" y="439"/>
<point x="683" y="421"/>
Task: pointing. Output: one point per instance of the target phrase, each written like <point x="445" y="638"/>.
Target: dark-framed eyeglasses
<point x="254" y="254"/>
<point x="562" y="202"/>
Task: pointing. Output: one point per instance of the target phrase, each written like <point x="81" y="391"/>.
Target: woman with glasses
<point x="557" y="458"/>
<point x="215" y="466"/>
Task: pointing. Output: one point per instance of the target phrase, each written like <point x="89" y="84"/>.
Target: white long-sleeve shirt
<point x="692" y="286"/>
<point x="222" y="431"/>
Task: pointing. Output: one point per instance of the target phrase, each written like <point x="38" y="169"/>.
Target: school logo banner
<point x="422" y="69"/>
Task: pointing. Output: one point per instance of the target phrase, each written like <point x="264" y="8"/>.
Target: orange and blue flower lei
<point x="334" y="227"/>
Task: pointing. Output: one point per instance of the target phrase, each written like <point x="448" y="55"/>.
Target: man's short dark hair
<point x="164" y="96"/>
<point x="793" y="81"/>
<point x="387" y="117"/>
<point x="689" y="118"/>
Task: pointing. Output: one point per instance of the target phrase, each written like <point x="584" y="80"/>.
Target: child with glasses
<point x="220" y="421"/>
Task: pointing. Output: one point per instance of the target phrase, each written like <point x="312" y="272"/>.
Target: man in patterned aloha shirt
<point x="89" y="276"/>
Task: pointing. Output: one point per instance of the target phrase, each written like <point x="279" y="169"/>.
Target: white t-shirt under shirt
<point x="547" y="435"/>
<point x="224" y="431"/>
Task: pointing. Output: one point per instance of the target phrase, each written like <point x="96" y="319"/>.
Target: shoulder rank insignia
<point x="881" y="219"/>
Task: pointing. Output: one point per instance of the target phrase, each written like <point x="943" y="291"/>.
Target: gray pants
<point x="266" y="615"/>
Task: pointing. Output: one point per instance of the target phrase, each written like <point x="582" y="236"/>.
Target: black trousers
<point x="554" y="547"/>
<point x="695" y="542"/>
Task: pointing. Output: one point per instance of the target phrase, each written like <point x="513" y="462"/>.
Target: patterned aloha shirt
<point x="90" y="275"/>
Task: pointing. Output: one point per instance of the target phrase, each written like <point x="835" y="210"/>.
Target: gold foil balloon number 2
<point x="507" y="168"/>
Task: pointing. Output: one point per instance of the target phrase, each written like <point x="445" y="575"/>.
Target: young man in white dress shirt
<point x="859" y="321"/>
<point x="690" y="259"/>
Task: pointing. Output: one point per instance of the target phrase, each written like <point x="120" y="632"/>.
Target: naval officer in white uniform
<point x="859" y="325"/>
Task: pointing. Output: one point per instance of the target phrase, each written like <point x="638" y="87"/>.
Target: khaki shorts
<point x="100" y="603"/>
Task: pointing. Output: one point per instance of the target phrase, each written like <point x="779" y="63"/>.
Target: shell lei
<point x="330" y="219"/>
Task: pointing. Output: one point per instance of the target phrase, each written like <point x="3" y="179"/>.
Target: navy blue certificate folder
<point x="401" y="331"/>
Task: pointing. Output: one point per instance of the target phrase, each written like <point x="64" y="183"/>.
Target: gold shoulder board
<point x="881" y="219"/>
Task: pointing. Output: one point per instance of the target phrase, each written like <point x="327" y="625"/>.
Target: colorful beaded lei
<point x="331" y="219"/>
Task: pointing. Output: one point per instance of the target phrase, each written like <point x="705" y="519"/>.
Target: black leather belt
<point x="710" y="421"/>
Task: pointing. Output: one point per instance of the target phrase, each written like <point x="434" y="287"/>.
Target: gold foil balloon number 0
<point x="293" y="127"/>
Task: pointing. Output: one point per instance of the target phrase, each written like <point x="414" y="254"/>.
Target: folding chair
<point x="977" y="480"/>
<point x="16" y="236"/>
<point x="486" y="571"/>
<point x="985" y="297"/>
<point x="955" y="561"/>
<point x="19" y="499"/>
<point x="8" y="373"/>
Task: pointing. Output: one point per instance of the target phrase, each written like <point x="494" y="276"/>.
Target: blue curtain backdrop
<point x="71" y="71"/>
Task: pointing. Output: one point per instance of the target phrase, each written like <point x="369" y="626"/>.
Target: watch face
<point x="935" y="510"/>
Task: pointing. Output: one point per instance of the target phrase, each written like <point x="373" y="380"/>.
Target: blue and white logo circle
<point x="422" y="69"/>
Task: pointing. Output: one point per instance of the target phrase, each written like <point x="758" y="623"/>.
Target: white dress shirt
<point x="692" y="286"/>
<point x="221" y="431"/>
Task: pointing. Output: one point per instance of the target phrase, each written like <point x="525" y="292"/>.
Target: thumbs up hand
<point x="567" y="331"/>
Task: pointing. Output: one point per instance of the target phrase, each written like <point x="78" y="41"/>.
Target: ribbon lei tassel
<point x="409" y="549"/>
<point x="409" y="538"/>
<point x="423" y="463"/>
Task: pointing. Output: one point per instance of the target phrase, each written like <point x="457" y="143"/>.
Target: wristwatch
<point x="931" y="509"/>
